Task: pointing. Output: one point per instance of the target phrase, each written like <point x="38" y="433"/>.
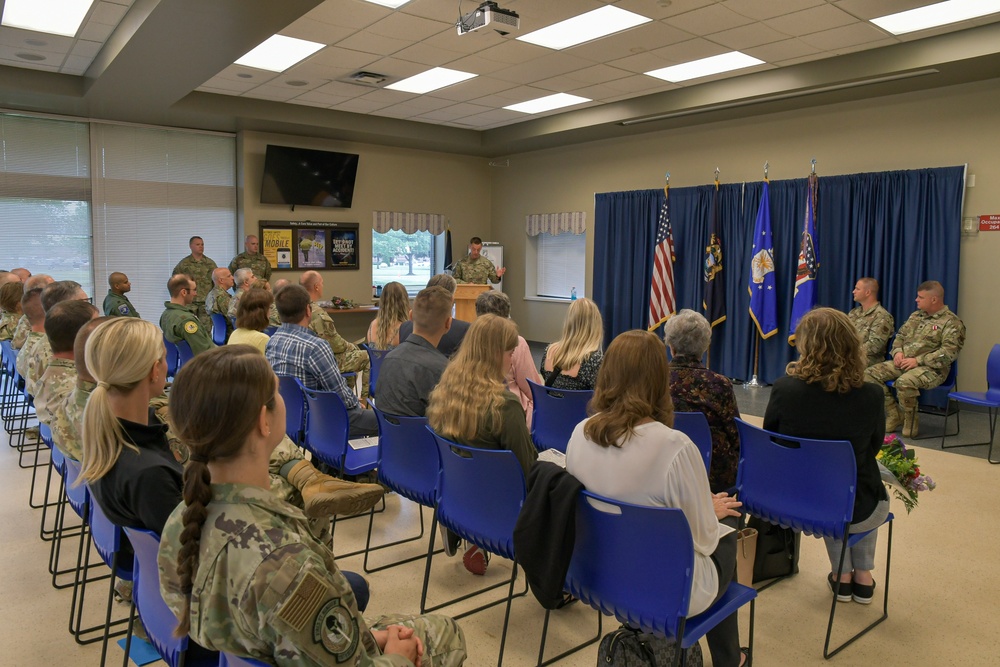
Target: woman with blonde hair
<point x="628" y="451"/>
<point x="266" y="587"/>
<point x="824" y="396"/>
<point x="472" y="406"/>
<point x="393" y="310"/>
<point x="252" y="319"/>
<point x="572" y="362"/>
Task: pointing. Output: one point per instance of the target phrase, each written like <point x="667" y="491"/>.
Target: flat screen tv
<point x="306" y="177"/>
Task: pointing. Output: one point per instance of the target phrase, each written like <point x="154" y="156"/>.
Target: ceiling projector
<point x="488" y="14"/>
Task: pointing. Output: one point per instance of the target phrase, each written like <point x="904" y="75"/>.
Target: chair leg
<point x="992" y="417"/>
<point x="128" y="634"/>
<point x="564" y="654"/>
<point x="369" y="548"/>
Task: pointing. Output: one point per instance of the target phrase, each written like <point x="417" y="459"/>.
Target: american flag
<point x="807" y="261"/>
<point x="804" y="297"/>
<point x="662" y="301"/>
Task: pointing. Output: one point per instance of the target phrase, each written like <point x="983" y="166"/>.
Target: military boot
<point x="911" y="422"/>
<point x="893" y="416"/>
<point x="323" y="495"/>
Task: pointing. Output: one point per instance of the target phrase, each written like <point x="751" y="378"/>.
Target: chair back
<point x="555" y="414"/>
<point x="270" y="330"/>
<point x="8" y="356"/>
<point x="993" y="373"/>
<point x="184" y="353"/>
<point x="156" y="616"/>
<point x="609" y="572"/>
<point x="219" y="328"/>
<point x="695" y="426"/>
<point x="480" y="493"/>
<point x="76" y="494"/>
<point x="230" y="660"/>
<point x="803" y="484"/>
<point x="937" y="397"/>
<point x="295" y="407"/>
<point x="375" y="358"/>
<point x="45" y="434"/>
<point x="108" y="540"/>
<point x="172" y="357"/>
<point x="408" y="459"/>
<point x="327" y="426"/>
<point x="58" y="459"/>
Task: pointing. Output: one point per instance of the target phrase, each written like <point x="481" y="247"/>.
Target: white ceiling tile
<point x="343" y="89"/>
<point x="536" y="15"/>
<point x="342" y="58"/>
<point x="76" y="65"/>
<point x="661" y="10"/>
<point x="871" y="9"/>
<point x="746" y="36"/>
<point x="311" y="70"/>
<point x="781" y="51"/>
<point x="425" y="54"/>
<point x="476" y="64"/>
<point x="310" y="84"/>
<point x="515" y="52"/>
<point x="705" y="21"/>
<point x="351" y="14"/>
<point x="637" y="83"/>
<point x="389" y="96"/>
<point x="96" y="32"/>
<point x="316" y="31"/>
<point x="397" y="111"/>
<point x="427" y="103"/>
<point x="316" y="98"/>
<point x="551" y="65"/>
<point x="274" y="92"/>
<point x="471" y="89"/>
<point x="16" y="62"/>
<point x="86" y="48"/>
<point x="309" y="103"/>
<point x="446" y="12"/>
<point x="254" y="77"/>
<point x="35" y="40"/>
<point x="513" y="96"/>
<point x="455" y="111"/>
<point x="887" y="41"/>
<point x="230" y="86"/>
<point x="107" y="13"/>
<point x="693" y="49"/>
<point x="360" y="105"/>
<point x="473" y="42"/>
<point x="824" y="17"/>
<point x="844" y="36"/>
<point x="395" y="68"/>
<point x="819" y="55"/>
<point x="369" y="42"/>
<point x="44" y="61"/>
<point x="646" y="37"/>
<point x="765" y="9"/>
<point x="406" y="27"/>
<point x="557" y="84"/>
<point x="641" y="62"/>
<point x="601" y="92"/>
<point x="597" y="74"/>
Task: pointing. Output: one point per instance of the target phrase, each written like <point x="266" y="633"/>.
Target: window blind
<point x="561" y="261"/>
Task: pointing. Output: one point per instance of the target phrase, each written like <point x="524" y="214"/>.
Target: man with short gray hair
<point x="243" y="279"/>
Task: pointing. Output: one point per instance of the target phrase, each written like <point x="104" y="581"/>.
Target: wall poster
<point x="300" y="245"/>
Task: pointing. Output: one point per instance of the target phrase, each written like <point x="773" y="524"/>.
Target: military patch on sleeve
<point x="123" y="309"/>
<point x="304" y="601"/>
<point x="337" y="630"/>
<point x="191" y="327"/>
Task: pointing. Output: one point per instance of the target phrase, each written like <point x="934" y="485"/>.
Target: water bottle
<point x="572" y="294"/>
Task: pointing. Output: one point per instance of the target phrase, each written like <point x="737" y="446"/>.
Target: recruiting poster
<point x="312" y="248"/>
<point x="277" y="247"/>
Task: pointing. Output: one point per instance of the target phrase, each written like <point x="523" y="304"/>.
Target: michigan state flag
<point x="714" y="299"/>
<point x="808" y="265"/>
<point x="763" y="295"/>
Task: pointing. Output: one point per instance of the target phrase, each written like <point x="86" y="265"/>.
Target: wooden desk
<point x="352" y="323"/>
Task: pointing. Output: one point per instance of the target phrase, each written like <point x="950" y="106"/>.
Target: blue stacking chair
<point x="327" y="431"/>
<point x="375" y="358"/>
<point x="11" y="393"/>
<point x="173" y="364"/>
<point x="56" y="464"/>
<point x="989" y="399"/>
<point x="230" y="660"/>
<point x="555" y="414"/>
<point x="156" y="616"/>
<point x="610" y="571"/>
<point x="184" y="353"/>
<point x="695" y="426"/>
<point x="108" y="541"/>
<point x="468" y="476"/>
<point x="295" y="408"/>
<point x="409" y="464"/>
<point x="778" y="482"/>
<point x="219" y="328"/>
<point x="267" y="330"/>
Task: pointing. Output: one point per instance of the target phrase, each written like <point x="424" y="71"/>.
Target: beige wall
<point x="944" y="127"/>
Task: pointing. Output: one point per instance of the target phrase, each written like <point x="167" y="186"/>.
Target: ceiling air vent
<point x="368" y="79"/>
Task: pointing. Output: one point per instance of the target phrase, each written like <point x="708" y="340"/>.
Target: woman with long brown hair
<point x="393" y="310"/>
<point x="628" y="451"/>
<point x="252" y="318"/>
<point x="824" y="396"/>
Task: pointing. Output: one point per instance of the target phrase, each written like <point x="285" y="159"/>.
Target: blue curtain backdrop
<point x="901" y="227"/>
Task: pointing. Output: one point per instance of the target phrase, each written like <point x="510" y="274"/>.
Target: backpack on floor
<point x="627" y="647"/>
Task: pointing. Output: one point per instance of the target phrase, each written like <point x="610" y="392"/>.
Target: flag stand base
<point x="753" y="383"/>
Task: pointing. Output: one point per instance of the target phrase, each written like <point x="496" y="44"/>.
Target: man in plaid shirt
<point x="294" y="350"/>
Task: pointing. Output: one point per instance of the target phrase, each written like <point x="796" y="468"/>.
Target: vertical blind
<point x="561" y="262"/>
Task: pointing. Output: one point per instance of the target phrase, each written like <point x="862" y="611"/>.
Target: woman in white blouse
<point x="628" y="451"/>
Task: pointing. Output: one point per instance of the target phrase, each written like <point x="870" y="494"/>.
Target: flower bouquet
<point x="338" y="302"/>
<point x="901" y="470"/>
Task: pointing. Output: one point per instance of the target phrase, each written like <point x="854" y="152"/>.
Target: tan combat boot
<point x="893" y="416"/>
<point x="911" y="422"/>
<point x="323" y="495"/>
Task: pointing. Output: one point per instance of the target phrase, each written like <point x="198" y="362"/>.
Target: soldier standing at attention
<point x="116" y="304"/>
<point x="873" y="322"/>
<point x="922" y="353"/>
<point x="475" y="268"/>
<point x="179" y="321"/>
<point x="199" y="268"/>
<point x="252" y="259"/>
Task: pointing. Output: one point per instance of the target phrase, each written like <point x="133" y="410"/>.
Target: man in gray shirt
<point x="414" y="367"/>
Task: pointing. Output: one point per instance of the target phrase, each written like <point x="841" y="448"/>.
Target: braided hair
<point x="214" y="406"/>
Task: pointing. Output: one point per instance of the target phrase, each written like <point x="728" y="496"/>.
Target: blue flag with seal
<point x="763" y="294"/>
<point x="714" y="295"/>
<point x="808" y="265"/>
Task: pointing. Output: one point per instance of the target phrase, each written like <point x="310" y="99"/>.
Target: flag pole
<point x="754" y="383"/>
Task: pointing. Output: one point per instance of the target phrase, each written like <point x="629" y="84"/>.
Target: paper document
<point x="553" y="456"/>
<point x="363" y="443"/>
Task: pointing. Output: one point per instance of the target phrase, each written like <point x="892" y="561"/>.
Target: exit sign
<point x="989" y="223"/>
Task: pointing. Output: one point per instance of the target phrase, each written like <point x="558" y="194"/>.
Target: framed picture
<point x="300" y="245"/>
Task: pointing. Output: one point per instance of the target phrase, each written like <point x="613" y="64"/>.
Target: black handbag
<point x="777" y="550"/>
<point x="628" y="647"/>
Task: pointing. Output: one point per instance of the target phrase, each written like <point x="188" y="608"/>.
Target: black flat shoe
<point x="862" y="594"/>
<point x="841" y="590"/>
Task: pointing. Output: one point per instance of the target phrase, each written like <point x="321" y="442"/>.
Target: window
<point x="409" y="259"/>
<point x="561" y="263"/>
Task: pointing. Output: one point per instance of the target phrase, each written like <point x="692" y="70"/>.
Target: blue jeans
<point x="360" y="587"/>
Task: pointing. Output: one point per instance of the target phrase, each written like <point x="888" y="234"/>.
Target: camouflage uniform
<point x="217" y="302"/>
<point x="875" y="326"/>
<point x="234" y="303"/>
<point x="350" y="359"/>
<point x="37" y="359"/>
<point x="118" y="305"/>
<point x="272" y="313"/>
<point x="20" y="333"/>
<point x="58" y="381"/>
<point x="254" y="261"/>
<point x="179" y="323"/>
<point x="476" y="271"/>
<point x="934" y="341"/>
<point x="67" y="428"/>
<point x="266" y="588"/>
<point x="201" y="271"/>
<point x="8" y="325"/>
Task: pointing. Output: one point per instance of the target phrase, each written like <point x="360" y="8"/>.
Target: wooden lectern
<point x="465" y="301"/>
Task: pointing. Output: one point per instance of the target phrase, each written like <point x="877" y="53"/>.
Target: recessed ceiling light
<point x="57" y="17"/>
<point x="391" y="4"/>
<point x="585" y="27"/>
<point x="277" y="53"/>
<point x="297" y="82"/>
<point x="33" y="57"/>
<point x="548" y="103"/>
<point x="432" y="79"/>
<point x="935" y="15"/>
<point x="695" y="69"/>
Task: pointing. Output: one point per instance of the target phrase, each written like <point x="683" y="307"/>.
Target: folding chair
<point x="611" y="573"/>
<point x="108" y="541"/>
<point x="184" y="353"/>
<point x="295" y="408"/>
<point x="555" y="414"/>
<point x="695" y="426"/>
<point x="989" y="399"/>
<point x="375" y="358"/>
<point x="409" y="464"/>
<point x="480" y="493"/>
<point x="219" y="328"/>
<point x="777" y="482"/>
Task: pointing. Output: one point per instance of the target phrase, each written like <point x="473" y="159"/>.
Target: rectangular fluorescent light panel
<point x="277" y="53"/>
<point x="432" y="79"/>
<point x="548" y="103"/>
<point x="391" y="4"/>
<point x="56" y="17"/>
<point x="936" y="15"/>
<point x="696" y="69"/>
<point x="583" y="28"/>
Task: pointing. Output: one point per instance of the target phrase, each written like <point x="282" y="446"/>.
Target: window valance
<point x="411" y="223"/>
<point x="572" y="222"/>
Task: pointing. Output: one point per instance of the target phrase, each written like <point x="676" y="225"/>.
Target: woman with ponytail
<point x="238" y="566"/>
